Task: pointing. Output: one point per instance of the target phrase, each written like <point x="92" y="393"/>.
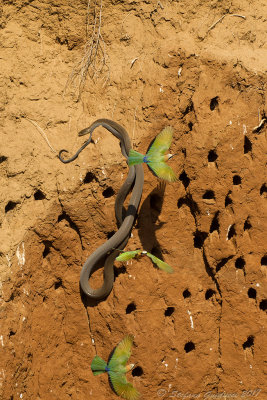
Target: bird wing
<point x="161" y="264"/>
<point x="161" y="143"/>
<point x="122" y="387"/>
<point x="98" y="365"/>
<point x="127" y="255"/>
<point x="121" y="353"/>
<point x="163" y="171"/>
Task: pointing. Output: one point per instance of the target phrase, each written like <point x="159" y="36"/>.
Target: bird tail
<point x="98" y="365"/>
<point x="135" y="157"/>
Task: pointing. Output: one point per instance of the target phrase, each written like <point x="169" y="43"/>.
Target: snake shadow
<point x="147" y="221"/>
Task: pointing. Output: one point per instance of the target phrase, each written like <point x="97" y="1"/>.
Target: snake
<point x="108" y="251"/>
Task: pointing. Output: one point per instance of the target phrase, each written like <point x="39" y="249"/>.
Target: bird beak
<point x="170" y="156"/>
<point x="129" y="367"/>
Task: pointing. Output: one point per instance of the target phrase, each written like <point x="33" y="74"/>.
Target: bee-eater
<point x="127" y="255"/>
<point x="156" y="158"/>
<point x="116" y="368"/>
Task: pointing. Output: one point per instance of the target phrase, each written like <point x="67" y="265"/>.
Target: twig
<point x="220" y="19"/>
<point x="133" y="61"/>
<point x="258" y="127"/>
<point x="159" y="4"/>
<point x="134" y="127"/>
<point x="125" y="18"/>
<point x="42" y="133"/>
<point x="90" y="329"/>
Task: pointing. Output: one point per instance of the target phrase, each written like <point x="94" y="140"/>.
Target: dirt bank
<point x="200" y="330"/>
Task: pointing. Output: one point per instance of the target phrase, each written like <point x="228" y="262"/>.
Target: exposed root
<point x="94" y="61"/>
<point x="220" y="20"/>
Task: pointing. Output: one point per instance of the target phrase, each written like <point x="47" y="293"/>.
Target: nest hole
<point x="130" y="308"/>
<point x="209" y="194"/>
<point x="263" y="189"/>
<point x="39" y="195"/>
<point x="10" y="206"/>
<point x="212" y="156"/>
<point x="189" y="346"/>
<point x="264" y="260"/>
<point x="215" y="226"/>
<point x="228" y="200"/>
<point x="137" y="371"/>
<point x="237" y="180"/>
<point x="214" y="103"/>
<point x="263" y="305"/>
<point x="240" y="263"/>
<point x="2" y="159"/>
<point x="186" y="293"/>
<point x="209" y="293"/>
<point x="247" y="224"/>
<point x="199" y="239"/>
<point x="247" y="145"/>
<point x="248" y="343"/>
<point x="108" y="192"/>
<point x="58" y="284"/>
<point x="89" y="177"/>
<point x="252" y="293"/>
<point x="169" y="311"/>
<point x="119" y="270"/>
<point x="231" y="232"/>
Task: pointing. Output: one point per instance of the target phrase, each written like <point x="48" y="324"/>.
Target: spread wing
<point x="122" y="387"/>
<point x="163" y="171"/>
<point x="127" y="255"/>
<point x="121" y="353"/>
<point x="161" y="143"/>
<point x="161" y="264"/>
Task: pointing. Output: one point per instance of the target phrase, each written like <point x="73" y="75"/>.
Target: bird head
<point x="129" y="367"/>
<point x="143" y="252"/>
<point x="169" y="156"/>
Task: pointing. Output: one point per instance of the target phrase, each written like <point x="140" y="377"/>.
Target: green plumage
<point x="155" y="157"/>
<point x="161" y="264"/>
<point x="98" y="365"/>
<point x="135" y="157"/>
<point x="117" y="368"/>
<point x="127" y="255"/>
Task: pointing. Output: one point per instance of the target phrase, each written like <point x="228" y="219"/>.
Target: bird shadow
<point x="148" y="220"/>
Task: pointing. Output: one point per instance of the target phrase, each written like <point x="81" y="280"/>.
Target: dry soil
<point x="200" y="332"/>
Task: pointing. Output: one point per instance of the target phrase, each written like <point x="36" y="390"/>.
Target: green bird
<point x="127" y="255"/>
<point x="156" y="158"/>
<point x="117" y="368"/>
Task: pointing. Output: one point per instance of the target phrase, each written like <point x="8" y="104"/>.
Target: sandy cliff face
<point x="200" y="331"/>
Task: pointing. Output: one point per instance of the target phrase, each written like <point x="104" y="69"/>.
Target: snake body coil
<point x="106" y="253"/>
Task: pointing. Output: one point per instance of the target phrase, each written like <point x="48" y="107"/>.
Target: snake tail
<point x="98" y="365"/>
<point x="135" y="157"/>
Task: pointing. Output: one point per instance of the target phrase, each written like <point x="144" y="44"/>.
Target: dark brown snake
<point x="106" y="253"/>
